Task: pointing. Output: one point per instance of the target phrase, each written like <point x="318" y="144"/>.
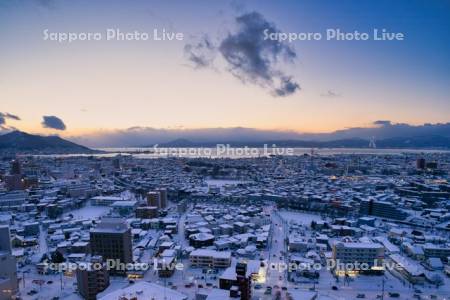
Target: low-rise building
<point x="364" y="257"/>
<point x="204" y="258"/>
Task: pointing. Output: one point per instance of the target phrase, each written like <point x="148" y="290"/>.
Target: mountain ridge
<point x="418" y="142"/>
<point x="19" y="141"/>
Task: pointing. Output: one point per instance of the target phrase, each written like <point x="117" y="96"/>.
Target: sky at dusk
<point x="215" y="77"/>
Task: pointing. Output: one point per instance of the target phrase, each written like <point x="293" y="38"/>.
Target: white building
<point x="204" y="258"/>
<point x="143" y="290"/>
<point x="361" y="256"/>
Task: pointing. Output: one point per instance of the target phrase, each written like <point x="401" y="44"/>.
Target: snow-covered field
<point x="299" y="217"/>
<point x="89" y="212"/>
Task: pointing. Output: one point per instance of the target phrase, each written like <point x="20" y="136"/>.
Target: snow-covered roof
<point x="144" y="290"/>
<point x="410" y="266"/>
<point x="211" y="253"/>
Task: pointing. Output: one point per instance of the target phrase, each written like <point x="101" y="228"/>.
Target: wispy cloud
<point x="4" y="116"/>
<point x="382" y="122"/>
<point x="331" y="94"/>
<point x="201" y="53"/>
<point x="47" y="4"/>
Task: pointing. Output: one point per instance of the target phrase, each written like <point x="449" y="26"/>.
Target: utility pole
<point x="23" y="279"/>
<point x="165" y="288"/>
<point x="61" y="279"/>
<point x="382" y="289"/>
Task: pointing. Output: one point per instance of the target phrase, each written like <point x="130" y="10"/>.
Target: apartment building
<point x="348" y="255"/>
<point x="92" y="277"/>
<point x="381" y="209"/>
<point x="204" y="258"/>
<point x="111" y="239"/>
<point x="433" y="250"/>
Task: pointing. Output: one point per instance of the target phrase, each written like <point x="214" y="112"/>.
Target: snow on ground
<point x="51" y="286"/>
<point x="89" y="212"/>
<point x="222" y="182"/>
<point x="371" y="286"/>
<point x="299" y="217"/>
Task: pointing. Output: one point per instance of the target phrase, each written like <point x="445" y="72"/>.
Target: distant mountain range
<point x="18" y="141"/>
<point x="385" y="133"/>
<point x="418" y="142"/>
<point x="21" y="142"/>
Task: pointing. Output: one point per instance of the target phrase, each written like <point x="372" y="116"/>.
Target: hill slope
<point x="18" y="141"/>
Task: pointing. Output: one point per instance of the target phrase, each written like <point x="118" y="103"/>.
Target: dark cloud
<point x="53" y="122"/>
<point x="252" y="58"/>
<point x="4" y="116"/>
<point x="249" y="56"/>
<point x="287" y="87"/>
<point x="382" y="122"/>
<point x="11" y="116"/>
<point x="385" y="129"/>
<point x="331" y="94"/>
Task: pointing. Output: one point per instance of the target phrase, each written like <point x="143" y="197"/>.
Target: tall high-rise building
<point x="157" y="198"/>
<point x="244" y="282"/>
<point x="162" y="197"/>
<point x="111" y="239"/>
<point x="116" y="163"/>
<point x="420" y="163"/>
<point x="15" y="167"/>
<point x="5" y="239"/>
<point x="8" y="266"/>
<point x="153" y="199"/>
<point x="92" y="277"/>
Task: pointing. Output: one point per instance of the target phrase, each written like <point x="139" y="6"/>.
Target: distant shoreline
<point x="148" y="153"/>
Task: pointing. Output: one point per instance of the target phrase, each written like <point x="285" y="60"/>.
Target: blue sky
<point x="105" y="86"/>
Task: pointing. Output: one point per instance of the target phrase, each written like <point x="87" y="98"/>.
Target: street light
<point x="23" y="276"/>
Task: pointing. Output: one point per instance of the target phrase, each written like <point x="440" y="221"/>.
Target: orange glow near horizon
<point x="103" y="86"/>
<point x="84" y="131"/>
